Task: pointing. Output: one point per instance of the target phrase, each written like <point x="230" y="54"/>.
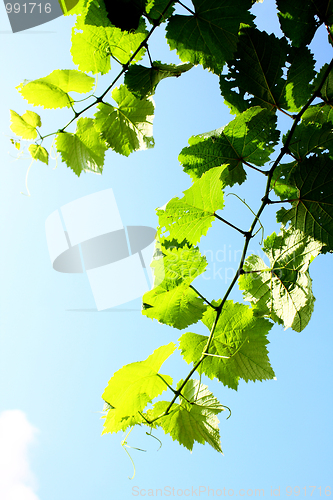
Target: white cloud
<point x="16" y="479"/>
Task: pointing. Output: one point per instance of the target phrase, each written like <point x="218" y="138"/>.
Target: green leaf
<point x="52" y="90"/>
<point x="133" y="386"/>
<point x="301" y="72"/>
<point x="172" y="301"/>
<point x="191" y="216"/>
<point x="326" y="91"/>
<point x="209" y="36"/>
<point x="155" y="10"/>
<point x="250" y="137"/>
<point x="176" y="264"/>
<point x="25" y="126"/>
<point x="39" y="153"/>
<point x="129" y="127"/>
<point x="194" y="419"/>
<point x="311" y="138"/>
<point x="73" y="6"/>
<point x="282" y="290"/>
<point x="255" y="76"/>
<point x="142" y="81"/>
<point x="282" y="182"/>
<point x="238" y="349"/>
<point x="84" y="150"/>
<point x="178" y="307"/>
<point x="94" y="40"/>
<point x="322" y="112"/>
<point x="312" y="210"/>
<point x="298" y="19"/>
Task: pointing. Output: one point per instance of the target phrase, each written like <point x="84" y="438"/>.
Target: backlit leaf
<point x="322" y="112"/>
<point x="128" y="127"/>
<point x="172" y="301"/>
<point x="52" y="90"/>
<point x="299" y="18"/>
<point x="194" y="419"/>
<point x="84" y="150"/>
<point x="95" y="39"/>
<point x="255" y="76"/>
<point x="282" y="290"/>
<point x="142" y="81"/>
<point x="25" y="126"/>
<point x="133" y="386"/>
<point x="311" y="138"/>
<point x="312" y="210"/>
<point x="156" y="9"/>
<point x="209" y="36"/>
<point x="39" y="153"/>
<point x="238" y="349"/>
<point x="250" y="137"/>
<point x="191" y="216"/>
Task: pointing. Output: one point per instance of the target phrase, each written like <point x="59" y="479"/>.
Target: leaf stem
<point x="166" y="383"/>
<point x="265" y="172"/>
<point x="204" y="298"/>
<point x="229" y="224"/>
<point x="149" y="56"/>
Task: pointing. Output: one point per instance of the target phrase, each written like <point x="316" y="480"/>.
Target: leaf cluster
<point x="260" y="76"/>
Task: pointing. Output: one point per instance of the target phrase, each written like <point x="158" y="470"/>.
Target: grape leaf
<point x="298" y="19"/>
<point x="142" y="81"/>
<point x="39" y="153"/>
<point x="176" y="264"/>
<point x="94" y="40"/>
<point x="322" y="112"/>
<point x="84" y="150"/>
<point x="25" y="126"/>
<point x="326" y="91"/>
<point x="191" y="216"/>
<point x="250" y="137"/>
<point x="238" y="349"/>
<point x="298" y="89"/>
<point x="129" y="127"/>
<point x="209" y="36"/>
<point x="282" y="183"/>
<point x="312" y="210"/>
<point x="52" y="90"/>
<point x="178" y="307"/>
<point x="255" y="76"/>
<point x="73" y="7"/>
<point x="311" y="138"/>
<point x="282" y="290"/>
<point x="172" y="301"/>
<point x="194" y="419"/>
<point x="133" y="386"/>
<point x="155" y="10"/>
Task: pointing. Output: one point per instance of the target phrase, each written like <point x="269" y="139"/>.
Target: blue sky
<point x="56" y="359"/>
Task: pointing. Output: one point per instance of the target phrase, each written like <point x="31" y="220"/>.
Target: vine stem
<point x="265" y="172"/>
<point x="248" y="236"/>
